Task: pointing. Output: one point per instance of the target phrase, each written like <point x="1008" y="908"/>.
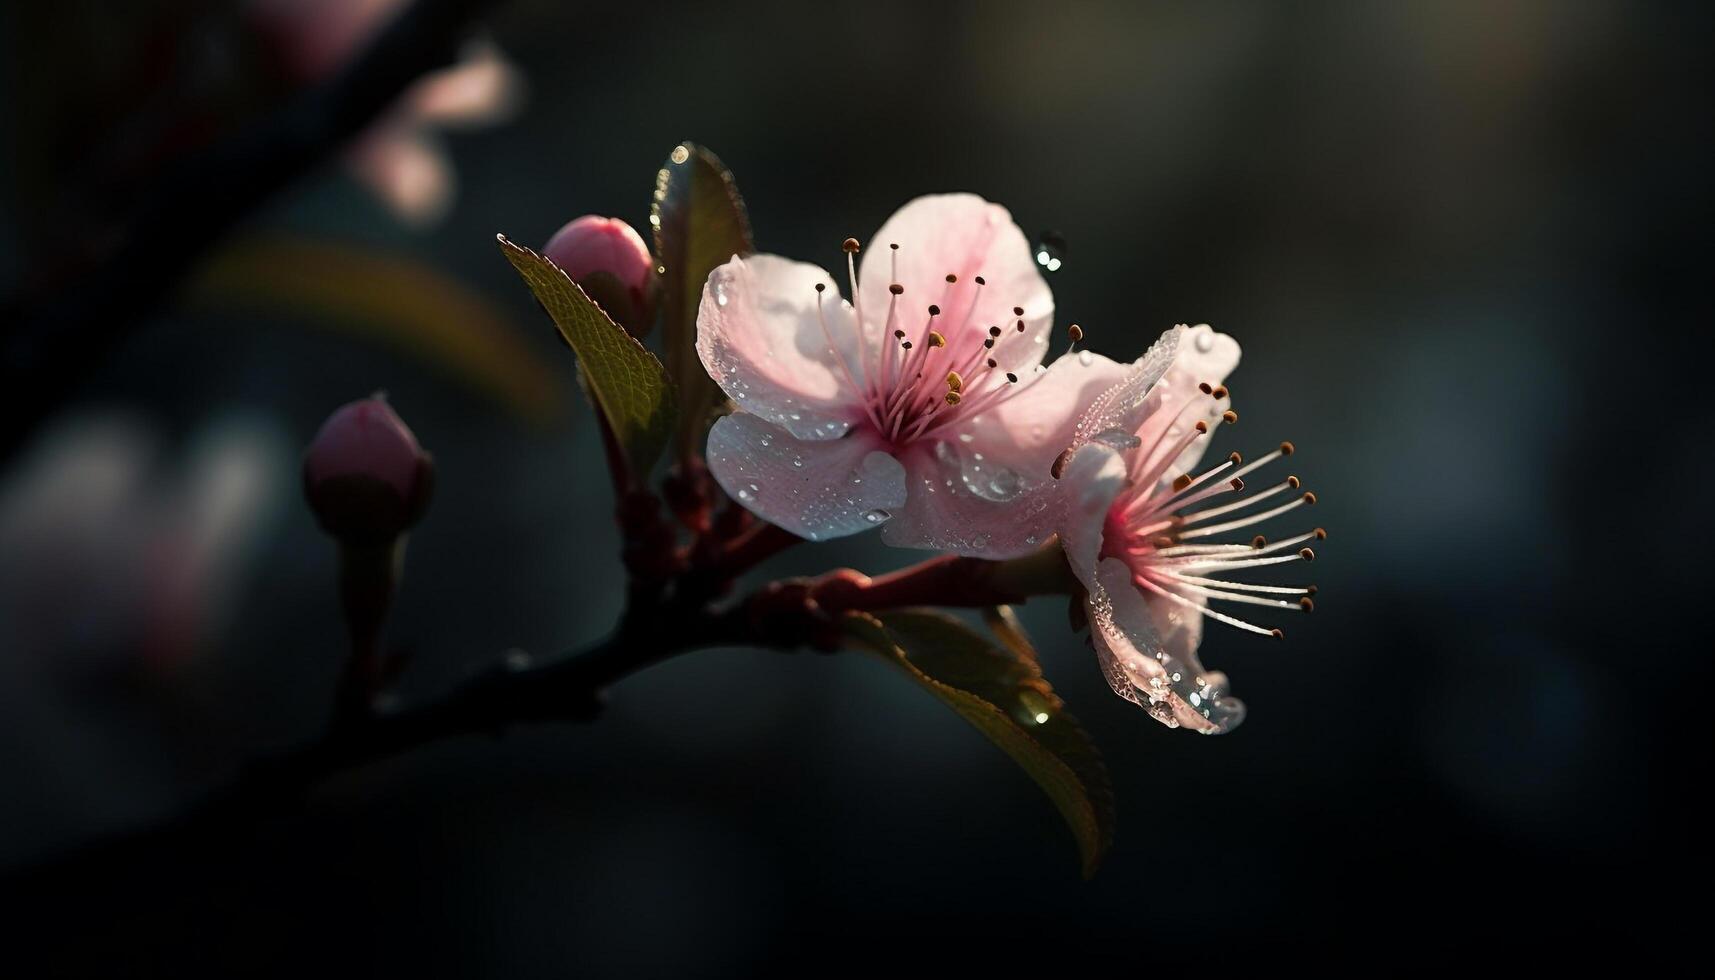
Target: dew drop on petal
<point x="876" y="516"/>
<point x="1050" y="251"/>
<point x="1117" y="438"/>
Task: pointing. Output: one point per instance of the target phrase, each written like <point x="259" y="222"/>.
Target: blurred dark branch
<point x="784" y="615"/>
<point x="53" y="337"/>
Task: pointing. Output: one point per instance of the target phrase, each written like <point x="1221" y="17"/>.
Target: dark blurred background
<point x="1464" y="245"/>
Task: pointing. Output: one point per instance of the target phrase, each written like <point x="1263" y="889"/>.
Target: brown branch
<point x="781" y="615"/>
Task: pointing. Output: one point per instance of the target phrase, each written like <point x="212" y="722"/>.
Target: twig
<point x="52" y="339"/>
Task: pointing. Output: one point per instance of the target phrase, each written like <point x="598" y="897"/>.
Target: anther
<point x="1020" y="326"/>
<point x="1237" y="484"/>
<point x="1181" y="481"/>
<point x="1012" y="378"/>
<point x="1060" y="463"/>
<point x="1310" y="589"/>
<point x="1075" y="332"/>
<point x="1258" y="541"/>
<point x="981" y="281"/>
<point x="850" y="245"/>
<point x="994" y="331"/>
<point x="952" y="278"/>
<point x="1220" y="391"/>
<point x="934" y="310"/>
<point x="1277" y="634"/>
<point x="1292" y="481"/>
<point x="1286" y="449"/>
<point x="906" y="345"/>
<point x="1202" y="426"/>
<point x="1306" y="605"/>
<point x="1163" y="542"/>
<point x="952" y="398"/>
<point x="1018" y="311"/>
<point x="989" y="344"/>
<point x="1321" y="535"/>
<point x="993" y="363"/>
<point x="1229" y="416"/>
<point x="954" y="382"/>
<point x="1306" y="554"/>
<point x="1205" y="389"/>
<point x="893" y="245"/>
<point x="821" y="287"/>
<point x="1235" y="458"/>
<point x="1309" y="497"/>
<point x="936" y="340"/>
<point x="898" y="335"/>
<point x="896" y="289"/>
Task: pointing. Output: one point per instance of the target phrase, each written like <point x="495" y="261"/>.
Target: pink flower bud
<point x="365" y="476"/>
<point x="608" y="258"/>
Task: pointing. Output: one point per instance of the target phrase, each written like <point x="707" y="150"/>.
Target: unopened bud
<point x="365" y="476"/>
<point x="608" y="258"/>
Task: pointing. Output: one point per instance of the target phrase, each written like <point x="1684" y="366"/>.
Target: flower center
<point x="1165" y="545"/>
<point x="925" y="372"/>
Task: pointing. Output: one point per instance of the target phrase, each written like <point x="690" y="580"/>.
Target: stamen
<point x="1308" y="498"/>
<point x="1205" y="610"/>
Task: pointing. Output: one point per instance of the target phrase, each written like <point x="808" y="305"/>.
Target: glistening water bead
<point x="1050" y="251"/>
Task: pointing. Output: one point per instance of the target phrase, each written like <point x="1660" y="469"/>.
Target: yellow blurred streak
<point x="394" y="300"/>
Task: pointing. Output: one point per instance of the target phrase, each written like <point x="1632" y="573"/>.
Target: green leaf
<point x="699" y="223"/>
<point x="386" y="299"/>
<point x="1004" y="624"/>
<point x="625" y="380"/>
<point x="1004" y="696"/>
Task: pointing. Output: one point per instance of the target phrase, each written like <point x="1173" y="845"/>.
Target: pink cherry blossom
<point x="398" y="157"/>
<point x="1141" y="532"/>
<point x="920" y="404"/>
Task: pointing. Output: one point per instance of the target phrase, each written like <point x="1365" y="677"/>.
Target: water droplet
<point x="876" y="516"/>
<point x="1117" y="438"/>
<point x="1050" y="251"/>
<point x="1004" y="483"/>
<point x="1086" y="358"/>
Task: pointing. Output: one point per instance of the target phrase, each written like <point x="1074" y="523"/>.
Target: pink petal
<point x="952" y="508"/>
<point x="966" y="236"/>
<point x="815" y="488"/>
<point x="406" y="170"/>
<point x="1088" y="486"/>
<point x="1127" y="404"/>
<point x="1204" y="357"/>
<point x="1028" y="431"/>
<point x="761" y="340"/>
<point x="1174" y="688"/>
<point x="482" y="88"/>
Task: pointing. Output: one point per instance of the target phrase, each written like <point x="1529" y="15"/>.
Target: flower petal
<point x="761" y="340"/>
<point x="406" y="169"/>
<point x="482" y="88"/>
<point x="815" y="488"/>
<point x="1204" y="357"/>
<point x="1088" y="486"/>
<point x="1171" y="685"/>
<point x="1126" y="405"/>
<point x="953" y="506"/>
<point x="965" y="236"/>
<point x="1029" y="430"/>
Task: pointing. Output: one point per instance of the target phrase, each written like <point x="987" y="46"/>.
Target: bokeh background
<point x="1464" y="245"/>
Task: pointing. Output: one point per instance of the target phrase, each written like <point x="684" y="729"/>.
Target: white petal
<point x="815" y="488"/>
